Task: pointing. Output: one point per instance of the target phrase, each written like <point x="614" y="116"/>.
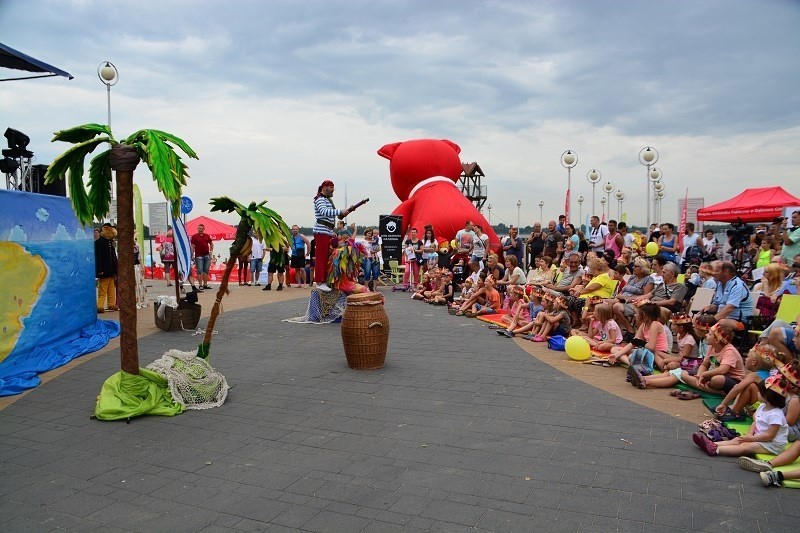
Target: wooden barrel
<point x="365" y="331"/>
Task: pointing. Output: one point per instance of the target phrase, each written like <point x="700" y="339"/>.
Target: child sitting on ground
<point x="516" y="307"/>
<point x="532" y="328"/>
<point x="478" y="296"/>
<point x="721" y="369"/>
<point x="649" y="339"/>
<point x="791" y="373"/>
<point x="759" y="365"/>
<point x="768" y="433"/>
<point x="445" y="297"/>
<point x="493" y="301"/>
<point x="523" y="318"/>
<point x="687" y="346"/>
<point x="604" y="332"/>
<point x="425" y="285"/>
<point x="555" y="323"/>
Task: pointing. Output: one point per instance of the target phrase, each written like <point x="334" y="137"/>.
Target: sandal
<point x="731" y="416"/>
<point x="687" y="395"/>
<point x="538" y="338"/>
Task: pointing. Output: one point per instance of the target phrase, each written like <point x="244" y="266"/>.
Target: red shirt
<point x="202" y="244"/>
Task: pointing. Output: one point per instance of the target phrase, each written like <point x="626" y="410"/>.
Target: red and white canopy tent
<point x="752" y="205"/>
<point x="218" y="231"/>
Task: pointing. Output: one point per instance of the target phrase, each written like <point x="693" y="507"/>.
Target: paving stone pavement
<point x="461" y="431"/>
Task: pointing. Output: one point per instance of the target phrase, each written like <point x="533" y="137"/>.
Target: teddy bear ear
<point x="388" y="150"/>
<point x="453" y="145"/>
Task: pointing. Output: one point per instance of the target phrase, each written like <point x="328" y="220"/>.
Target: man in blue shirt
<point x="732" y="303"/>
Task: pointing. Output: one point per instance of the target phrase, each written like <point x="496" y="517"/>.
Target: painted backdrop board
<point x="48" y="313"/>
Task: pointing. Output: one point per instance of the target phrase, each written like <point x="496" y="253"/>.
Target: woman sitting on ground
<point x="639" y="287"/>
<point x="649" y="339"/>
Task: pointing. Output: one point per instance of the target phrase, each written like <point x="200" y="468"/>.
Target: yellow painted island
<point x="21" y="277"/>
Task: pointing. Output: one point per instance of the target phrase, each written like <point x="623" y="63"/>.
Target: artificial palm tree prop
<point x="92" y="201"/>
<point x="269" y="228"/>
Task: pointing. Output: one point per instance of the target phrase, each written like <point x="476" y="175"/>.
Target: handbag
<point x="557" y="343"/>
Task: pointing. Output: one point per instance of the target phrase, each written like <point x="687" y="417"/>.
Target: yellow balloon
<point x="578" y="348"/>
<point x="453" y="244"/>
<point x="651" y="249"/>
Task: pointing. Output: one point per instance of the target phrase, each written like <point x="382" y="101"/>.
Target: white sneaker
<point x="754" y="465"/>
<point x="323" y="287"/>
<point x="770" y="478"/>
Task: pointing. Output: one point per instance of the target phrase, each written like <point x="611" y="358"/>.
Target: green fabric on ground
<point x="125" y="395"/>
<point x="703" y="394"/>
<point x="741" y="427"/>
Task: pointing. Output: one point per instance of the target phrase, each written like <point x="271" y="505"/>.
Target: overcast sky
<point x="276" y="96"/>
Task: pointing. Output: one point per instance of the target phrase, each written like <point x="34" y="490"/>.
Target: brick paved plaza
<point x="461" y="431"/>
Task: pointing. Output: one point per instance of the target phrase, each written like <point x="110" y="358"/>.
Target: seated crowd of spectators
<point x="634" y="309"/>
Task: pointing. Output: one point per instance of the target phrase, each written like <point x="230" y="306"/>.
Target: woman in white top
<point x="429" y="246"/>
<point x="514" y="274"/>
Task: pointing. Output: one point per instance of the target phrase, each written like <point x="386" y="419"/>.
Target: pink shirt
<point x="731" y="357"/>
<point x="611" y="244"/>
<point x="661" y="338"/>
<point x="605" y="331"/>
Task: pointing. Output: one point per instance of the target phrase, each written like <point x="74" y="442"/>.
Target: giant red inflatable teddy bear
<point x="424" y="173"/>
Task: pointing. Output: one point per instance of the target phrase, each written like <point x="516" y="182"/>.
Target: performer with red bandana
<point x="324" y="213"/>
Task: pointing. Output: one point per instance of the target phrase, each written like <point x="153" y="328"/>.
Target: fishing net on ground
<point x="323" y="308"/>
<point x="192" y="381"/>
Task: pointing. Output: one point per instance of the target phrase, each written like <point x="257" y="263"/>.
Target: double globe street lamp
<point x="594" y="177"/>
<point x="568" y="160"/>
<point x="648" y="157"/>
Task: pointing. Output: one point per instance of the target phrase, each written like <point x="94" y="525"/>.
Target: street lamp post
<point x="655" y="178"/>
<point x="603" y="204"/>
<point x="594" y="177"/>
<point x="609" y="188"/>
<point x="580" y="212"/>
<point x="568" y="160"/>
<point x="648" y="157"/>
<point x="541" y="209"/>
<point x="109" y="75"/>
<point x="489" y="207"/>
<point x="658" y="194"/>
<point x="620" y="196"/>
<point x="519" y="204"/>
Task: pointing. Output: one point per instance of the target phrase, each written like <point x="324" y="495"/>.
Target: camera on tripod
<point x="741" y="234"/>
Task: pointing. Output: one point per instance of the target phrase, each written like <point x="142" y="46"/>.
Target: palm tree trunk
<point x="242" y="239"/>
<point x="124" y="160"/>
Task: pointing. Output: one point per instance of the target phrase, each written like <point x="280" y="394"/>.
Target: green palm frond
<point x="72" y="161"/>
<point x="83" y="133"/>
<point x="226" y="205"/>
<point x="268" y="224"/>
<point x="100" y="183"/>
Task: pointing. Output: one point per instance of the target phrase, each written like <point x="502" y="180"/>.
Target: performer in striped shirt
<point x="324" y="213"/>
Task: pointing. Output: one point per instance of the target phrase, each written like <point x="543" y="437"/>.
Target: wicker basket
<point x="186" y="316"/>
<point x="365" y="331"/>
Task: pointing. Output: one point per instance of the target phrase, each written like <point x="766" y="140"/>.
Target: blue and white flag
<point x="183" y="248"/>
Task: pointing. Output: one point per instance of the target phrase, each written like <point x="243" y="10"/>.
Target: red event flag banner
<point x="566" y="207"/>
<point x="682" y="227"/>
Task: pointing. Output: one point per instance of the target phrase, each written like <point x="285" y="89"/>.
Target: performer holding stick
<point x="325" y="213"/>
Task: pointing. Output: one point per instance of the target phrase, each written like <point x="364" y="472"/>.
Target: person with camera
<point x="731" y="305"/>
<point x="788" y="236"/>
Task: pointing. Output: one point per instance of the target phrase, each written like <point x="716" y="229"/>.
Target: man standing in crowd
<point x="790" y="237"/>
<point x="614" y="241"/>
<point x="597" y="235"/>
<point x="256" y="258"/>
<point x="627" y="238"/>
<point x="553" y="241"/>
<point x="298" y="260"/>
<point x="464" y="239"/>
<point x="535" y="244"/>
<point x="202" y="247"/>
<point x="512" y="245"/>
<point x="324" y="214"/>
<point x="561" y="227"/>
